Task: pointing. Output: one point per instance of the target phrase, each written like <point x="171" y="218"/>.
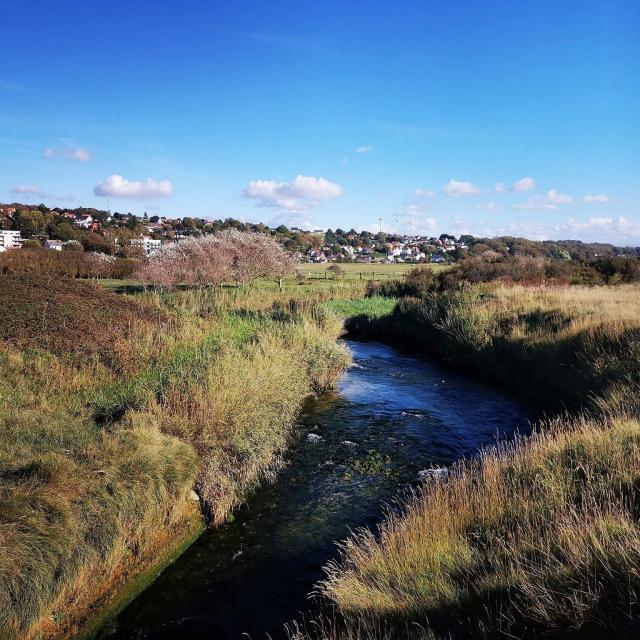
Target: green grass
<point x="356" y="270"/>
<point x="373" y="307"/>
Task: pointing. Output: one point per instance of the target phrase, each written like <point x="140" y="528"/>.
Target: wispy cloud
<point x="598" y="198"/>
<point x="365" y="148"/>
<point x="28" y="190"/>
<point x="70" y="153"/>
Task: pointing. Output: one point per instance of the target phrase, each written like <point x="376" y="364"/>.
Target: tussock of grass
<point x="102" y="437"/>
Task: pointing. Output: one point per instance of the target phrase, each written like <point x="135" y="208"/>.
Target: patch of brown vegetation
<point x="63" y="315"/>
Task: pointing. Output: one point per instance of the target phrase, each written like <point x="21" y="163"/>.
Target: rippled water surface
<point x="391" y="417"/>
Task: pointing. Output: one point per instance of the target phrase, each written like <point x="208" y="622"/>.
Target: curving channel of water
<point x="391" y="417"/>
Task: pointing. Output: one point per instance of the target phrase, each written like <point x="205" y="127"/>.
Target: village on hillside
<point x="126" y="235"/>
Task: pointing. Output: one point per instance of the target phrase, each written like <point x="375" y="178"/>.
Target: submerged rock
<point x="314" y="437"/>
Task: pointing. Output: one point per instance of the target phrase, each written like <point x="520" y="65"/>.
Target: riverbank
<point x="113" y="410"/>
<point x="534" y="538"/>
<point x="355" y="447"/>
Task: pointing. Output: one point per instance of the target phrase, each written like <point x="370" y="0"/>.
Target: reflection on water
<point x="391" y="417"/>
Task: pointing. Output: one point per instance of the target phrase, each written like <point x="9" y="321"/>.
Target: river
<point x="355" y="450"/>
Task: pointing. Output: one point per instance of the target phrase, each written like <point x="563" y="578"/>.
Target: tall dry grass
<point x="535" y="538"/>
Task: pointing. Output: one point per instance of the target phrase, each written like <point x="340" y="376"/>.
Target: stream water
<point x="356" y="449"/>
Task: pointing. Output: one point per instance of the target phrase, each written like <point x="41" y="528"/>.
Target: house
<point x="86" y="222"/>
<point x="394" y="249"/>
<point x="10" y="239"/>
<point x="316" y="255"/>
<point x="147" y="244"/>
<point x="55" y="245"/>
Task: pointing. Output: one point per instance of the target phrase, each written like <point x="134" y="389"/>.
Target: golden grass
<point x="536" y="536"/>
<point x="543" y="529"/>
<point x="584" y="307"/>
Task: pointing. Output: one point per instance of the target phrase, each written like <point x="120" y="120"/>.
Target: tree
<point x="97" y="265"/>
<point x="207" y="261"/>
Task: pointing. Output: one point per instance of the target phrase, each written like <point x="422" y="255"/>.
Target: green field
<point x="356" y="270"/>
<point x="315" y="274"/>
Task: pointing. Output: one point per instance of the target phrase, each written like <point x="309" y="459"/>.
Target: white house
<point x="56" y="245"/>
<point x="148" y="245"/>
<point x="84" y="221"/>
<point x="10" y="239"/>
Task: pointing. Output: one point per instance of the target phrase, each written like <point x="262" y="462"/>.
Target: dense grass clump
<point x="112" y="409"/>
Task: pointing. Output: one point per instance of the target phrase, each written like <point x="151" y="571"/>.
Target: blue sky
<point x="501" y="117"/>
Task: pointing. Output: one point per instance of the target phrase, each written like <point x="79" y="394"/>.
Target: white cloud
<point x="489" y="206"/>
<point x="300" y="219"/>
<point x="524" y="184"/>
<point x="423" y="193"/>
<point x="597" y="198"/>
<point x="71" y="153"/>
<point x="116" y="186"/>
<point x="458" y="188"/>
<point x="365" y="148"/>
<point x="535" y="203"/>
<point x="414" y="209"/>
<point x="300" y="194"/>
<point x="551" y="201"/>
<point x="28" y="190"/>
<point x="605" y="229"/>
<point x="556" y="198"/>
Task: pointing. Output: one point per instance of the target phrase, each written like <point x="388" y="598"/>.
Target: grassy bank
<point x="553" y="347"/>
<point x="112" y="409"/>
<point x="537" y="538"/>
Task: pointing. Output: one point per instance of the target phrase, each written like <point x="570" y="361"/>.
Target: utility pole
<point x="380" y="222"/>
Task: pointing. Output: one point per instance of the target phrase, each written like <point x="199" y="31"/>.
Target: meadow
<point x="537" y="537"/>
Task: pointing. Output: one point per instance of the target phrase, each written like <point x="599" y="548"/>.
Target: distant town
<point x="126" y="235"/>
